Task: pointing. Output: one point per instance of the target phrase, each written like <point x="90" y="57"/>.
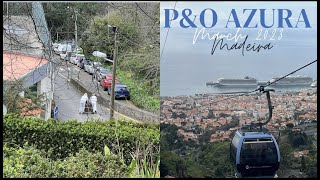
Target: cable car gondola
<point x="254" y="151"/>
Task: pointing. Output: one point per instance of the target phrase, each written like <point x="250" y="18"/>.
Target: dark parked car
<point x="120" y="91"/>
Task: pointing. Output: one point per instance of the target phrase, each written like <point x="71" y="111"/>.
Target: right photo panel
<point x="238" y="89"/>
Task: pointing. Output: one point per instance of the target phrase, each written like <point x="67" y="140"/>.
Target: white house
<point x="27" y="54"/>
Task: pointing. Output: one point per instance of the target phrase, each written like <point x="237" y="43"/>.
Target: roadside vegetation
<point x="138" y="64"/>
<point x="138" y="41"/>
<point x="37" y="148"/>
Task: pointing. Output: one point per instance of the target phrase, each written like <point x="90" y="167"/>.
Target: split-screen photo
<point x="159" y="89"/>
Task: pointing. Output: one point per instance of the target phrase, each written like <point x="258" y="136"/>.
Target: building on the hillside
<point x="27" y="56"/>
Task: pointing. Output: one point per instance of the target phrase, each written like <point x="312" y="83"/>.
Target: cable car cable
<point x="268" y="84"/>
<point x="245" y="146"/>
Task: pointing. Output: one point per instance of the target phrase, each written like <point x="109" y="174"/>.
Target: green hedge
<point x="29" y="162"/>
<point x="62" y="139"/>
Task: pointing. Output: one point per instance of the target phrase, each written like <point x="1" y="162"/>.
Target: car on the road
<point x="73" y="58"/>
<point x="63" y="56"/>
<point x="120" y="91"/>
<point x="76" y="59"/>
<point x="55" y="47"/>
<point x="106" y="82"/>
<point x="101" y="72"/>
<point x="89" y="67"/>
<point x="96" y="66"/>
<point x="80" y="60"/>
<point x="63" y="48"/>
<point x="69" y="56"/>
<point x="84" y="62"/>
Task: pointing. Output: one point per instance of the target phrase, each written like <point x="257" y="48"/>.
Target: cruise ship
<point x="292" y="81"/>
<point x="245" y="82"/>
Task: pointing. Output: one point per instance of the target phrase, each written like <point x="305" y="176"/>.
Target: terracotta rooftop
<point x="26" y="111"/>
<point x="16" y="66"/>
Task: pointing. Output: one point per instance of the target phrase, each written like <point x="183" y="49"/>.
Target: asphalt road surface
<point x="67" y="99"/>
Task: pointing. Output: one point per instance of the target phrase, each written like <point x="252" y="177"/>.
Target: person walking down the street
<point x="93" y="100"/>
<point x="83" y="101"/>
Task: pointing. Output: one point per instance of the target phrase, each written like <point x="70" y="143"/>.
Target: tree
<point x="290" y="125"/>
<point x="205" y="137"/>
<point x="303" y="163"/>
<point x="181" y="168"/>
<point x="286" y="152"/>
<point x="312" y="172"/>
<point x="223" y="115"/>
<point x="297" y="140"/>
<point x="168" y="163"/>
<point x="61" y="19"/>
<point x="210" y="114"/>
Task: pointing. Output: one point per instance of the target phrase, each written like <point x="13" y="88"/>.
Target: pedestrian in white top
<point x="93" y="100"/>
<point x="83" y="101"/>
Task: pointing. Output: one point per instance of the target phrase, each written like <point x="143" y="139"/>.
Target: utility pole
<point x="68" y="20"/>
<point x="8" y="10"/>
<point x="76" y="28"/>
<point x="113" y="72"/>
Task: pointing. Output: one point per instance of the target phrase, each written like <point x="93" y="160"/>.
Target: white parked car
<point x="63" y="48"/>
<point x="63" y="56"/>
<point x="78" y="59"/>
<point x="92" y="69"/>
<point x="88" y="67"/>
<point x="72" y="58"/>
<point x="55" y="47"/>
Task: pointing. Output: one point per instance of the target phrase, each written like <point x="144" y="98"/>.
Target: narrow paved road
<point x="67" y="98"/>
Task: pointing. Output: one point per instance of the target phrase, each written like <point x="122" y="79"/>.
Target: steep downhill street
<point x="67" y="99"/>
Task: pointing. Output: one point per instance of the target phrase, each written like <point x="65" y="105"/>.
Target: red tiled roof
<point x="17" y="65"/>
<point x="29" y="112"/>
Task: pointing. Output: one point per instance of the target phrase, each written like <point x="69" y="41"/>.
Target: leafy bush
<point x="139" y="92"/>
<point x="62" y="139"/>
<point x="29" y="162"/>
<point x="143" y="168"/>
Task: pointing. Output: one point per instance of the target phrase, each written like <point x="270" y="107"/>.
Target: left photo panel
<point x="81" y="89"/>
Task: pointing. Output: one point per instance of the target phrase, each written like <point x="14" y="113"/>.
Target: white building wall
<point x="44" y="87"/>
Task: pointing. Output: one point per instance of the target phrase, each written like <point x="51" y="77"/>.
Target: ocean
<point x="186" y="62"/>
<point x="189" y="75"/>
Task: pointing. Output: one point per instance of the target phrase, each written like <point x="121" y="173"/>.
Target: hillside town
<point x="196" y="114"/>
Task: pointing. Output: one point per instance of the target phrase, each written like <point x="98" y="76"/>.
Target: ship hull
<point x="234" y="85"/>
<point x="292" y="84"/>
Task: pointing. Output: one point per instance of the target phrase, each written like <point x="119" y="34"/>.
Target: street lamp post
<point x="113" y="71"/>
